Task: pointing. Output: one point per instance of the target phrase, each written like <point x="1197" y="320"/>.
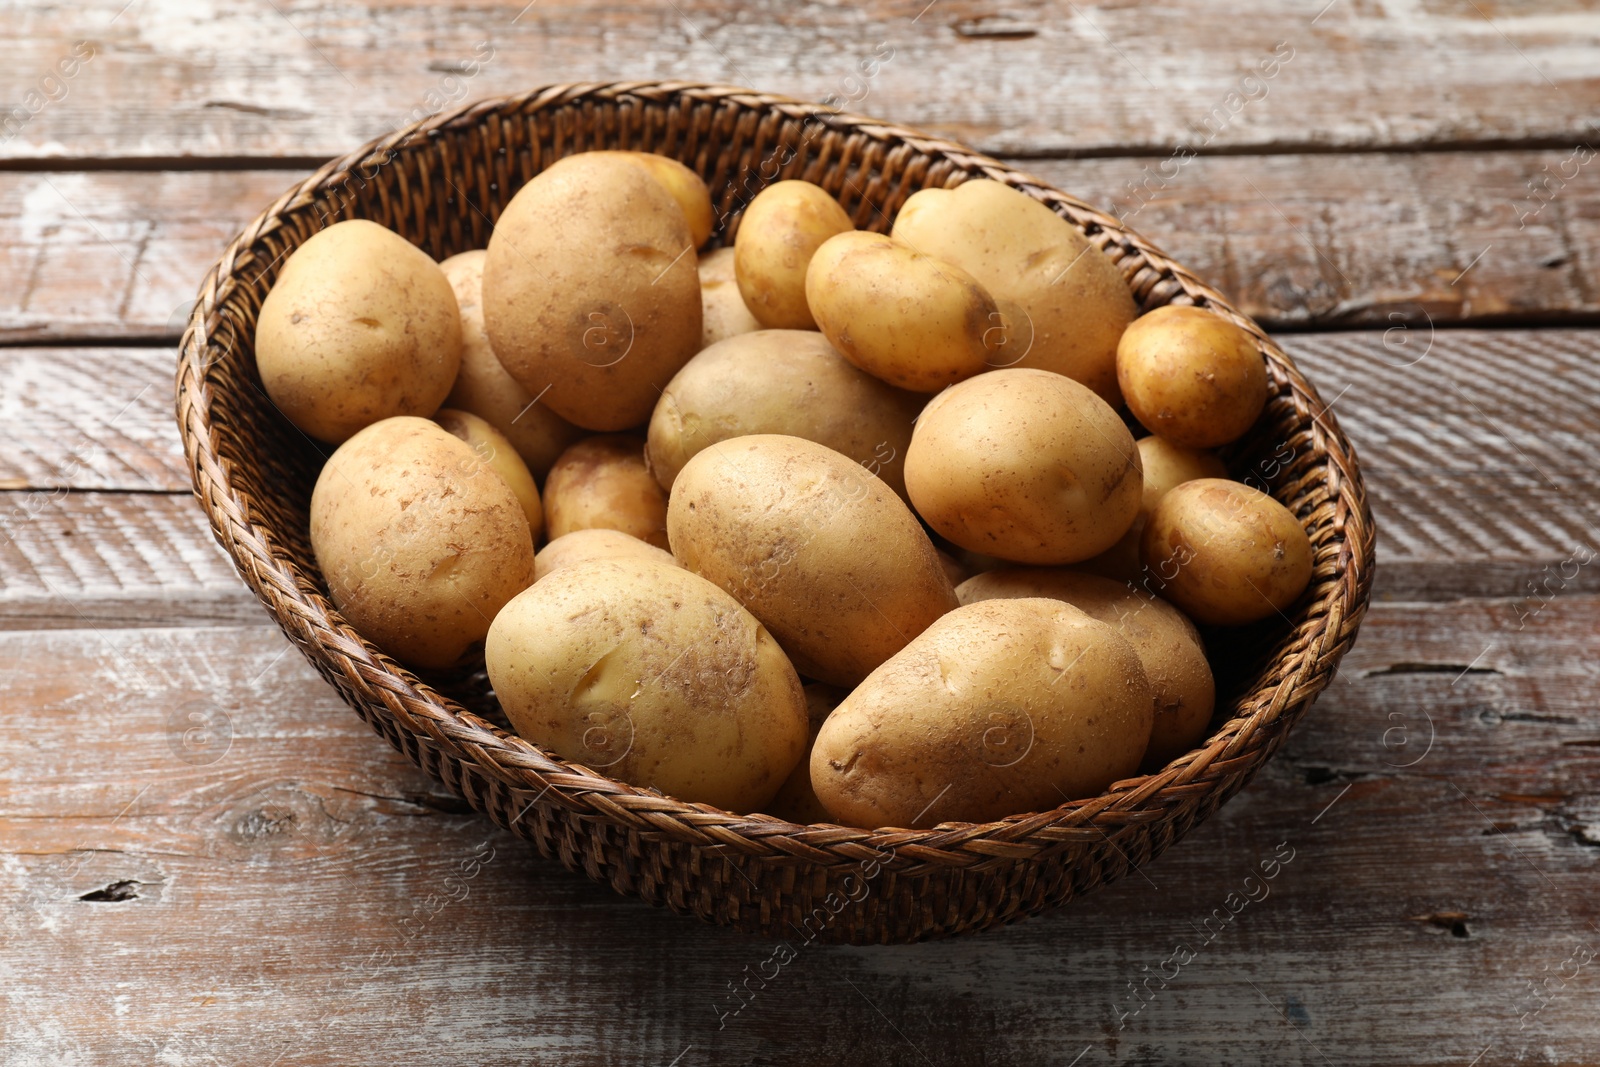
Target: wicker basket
<point x="442" y="184"/>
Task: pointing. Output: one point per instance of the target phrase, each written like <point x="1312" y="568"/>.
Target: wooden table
<point x="201" y="848"/>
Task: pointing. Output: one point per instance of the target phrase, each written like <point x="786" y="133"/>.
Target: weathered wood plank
<point x="1296" y="240"/>
<point x="283" y="884"/>
<point x="239" y="79"/>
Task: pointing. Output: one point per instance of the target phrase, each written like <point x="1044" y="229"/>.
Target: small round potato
<point x="1165" y="465"/>
<point x="1026" y="465"/>
<point x="360" y="325"/>
<point x="818" y="549"/>
<point x="1225" y="553"/>
<point x="1169" y="647"/>
<point x="784" y="382"/>
<point x="603" y="482"/>
<point x="595" y="543"/>
<point x="999" y="708"/>
<point x="495" y="450"/>
<point x="722" y="311"/>
<point x="590" y="293"/>
<point x="1068" y="301"/>
<point x="796" y="800"/>
<point x="1191" y="377"/>
<point x="914" y="321"/>
<point x="686" y="187"/>
<point x="650" y="674"/>
<point x="419" y="541"/>
<point x="780" y="231"/>
<point x="483" y="387"/>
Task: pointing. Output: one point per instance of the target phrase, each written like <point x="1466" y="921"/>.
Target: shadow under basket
<point x="441" y="184"/>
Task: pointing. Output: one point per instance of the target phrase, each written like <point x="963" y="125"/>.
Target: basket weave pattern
<point x="442" y="184"/>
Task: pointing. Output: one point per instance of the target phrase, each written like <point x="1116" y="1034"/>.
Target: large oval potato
<point x="818" y="549"/>
<point x="603" y="482"/>
<point x="1225" y="553"/>
<point x="361" y="325"/>
<point x="595" y="543"/>
<point x="1183" y="691"/>
<point x="590" y="293"/>
<point x="722" y="310"/>
<point x="419" y="540"/>
<point x="484" y="388"/>
<point x="1191" y="376"/>
<point x="686" y="187"/>
<point x="650" y="674"/>
<point x="789" y="382"/>
<point x="1026" y="465"/>
<point x="779" y="232"/>
<point x="494" y="449"/>
<point x="999" y="708"/>
<point x="914" y="321"/>
<point x="1072" y="298"/>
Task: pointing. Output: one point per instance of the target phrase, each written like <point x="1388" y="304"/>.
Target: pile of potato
<point x="842" y="527"/>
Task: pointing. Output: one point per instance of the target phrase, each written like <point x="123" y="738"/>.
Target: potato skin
<point x="1225" y="553"/>
<point x="1073" y="300"/>
<point x="789" y="382"/>
<point x="419" y="541"/>
<point x="485" y="389"/>
<point x="590" y="294"/>
<point x="1183" y="692"/>
<point x="360" y="325"/>
<point x="1165" y="465"/>
<point x="494" y="449"/>
<point x="595" y="543"/>
<point x="796" y="800"/>
<point x="603" y="482"/>
<point x="914" y="321"/>
<point x="820" y="551"/>
<point x="999" y="708"/>
<point x="650" y="674"/>
<point x="688" y="189"/>
<point x="1026" y="465"/>
<point x="1191" y="377"/>
<point x="722" y="311"/>
<point x="780" y="231"/>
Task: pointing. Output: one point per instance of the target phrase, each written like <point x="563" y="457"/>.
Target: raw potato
<point x="419" y="541"/>
<point x="785" y="382"/>
<point x="722" y="311"/>
<point x="781" y="229"/>
<point x="1170" y="651"/>
<point x="1192" y="377"/>
<point x="999" y="708"/>
<point x="603" y="482"/>
<point x="686" y="187"/>
<point x="1165" y="465"/>
<point x="590" y="293"/>
<point x="360" y="325"/>
<point x="485" y="389"/>
<point x="597" y="543"/>
<point x="647" y="673"/>
<point x="796" y="800"/>
<point x="1065" y="301"/>
<point x="493" y="448"/>
<point x="917" y="322"/>
<point x="1025" y="465"/>
<point x="1225" y="553"/>
<point x="819" y="550"/>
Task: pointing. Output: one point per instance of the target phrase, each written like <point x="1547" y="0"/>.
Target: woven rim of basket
<point x="1304" y="660"/>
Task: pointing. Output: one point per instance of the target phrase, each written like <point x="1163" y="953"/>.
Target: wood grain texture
<point x="117" y="254"/>
<point x="281" y="884"/>
<point x="239" y="79"/>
